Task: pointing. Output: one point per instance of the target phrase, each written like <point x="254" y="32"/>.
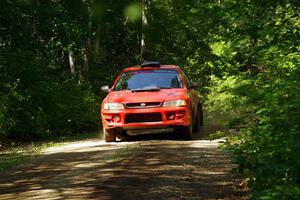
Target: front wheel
<point x="109" y="135"/>
<point x="185" y="131"/>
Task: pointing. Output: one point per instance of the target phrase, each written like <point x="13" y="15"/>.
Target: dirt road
<point x="151" y="168"/>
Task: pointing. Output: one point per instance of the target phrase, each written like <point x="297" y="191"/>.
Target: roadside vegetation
<point x="244" y="55"/>
<point x="16" y="153"/>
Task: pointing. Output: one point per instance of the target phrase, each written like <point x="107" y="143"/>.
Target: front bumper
<point x="181" y="118"/>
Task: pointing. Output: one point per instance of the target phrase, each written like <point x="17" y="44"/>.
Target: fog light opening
<point x="116" y="118"/>
<point x="170" y="115"/>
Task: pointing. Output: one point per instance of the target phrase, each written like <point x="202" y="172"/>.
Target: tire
<point x="199" y="119"/>
<point x="122" y="135"/>
<point x="201" y="115"/>
<point x="109" y="135"/>
<point x="185" y="131"/>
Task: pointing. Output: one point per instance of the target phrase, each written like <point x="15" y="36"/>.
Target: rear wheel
<point x="109" y="135"/>
<point x="201" y="115"/>
<point x="199" y="119"/>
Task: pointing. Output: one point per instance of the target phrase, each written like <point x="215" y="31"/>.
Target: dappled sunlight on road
<point x="173" y="170"/>
<point x="154" y="168"/>
<point x="84" y="146"/>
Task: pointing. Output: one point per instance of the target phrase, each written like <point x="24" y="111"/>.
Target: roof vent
<point x="150" y="64"/>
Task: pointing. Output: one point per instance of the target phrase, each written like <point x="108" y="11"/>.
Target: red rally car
<point x="151" y="98"/>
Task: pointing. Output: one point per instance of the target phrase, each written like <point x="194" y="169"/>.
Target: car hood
<point x="148" y="96"/>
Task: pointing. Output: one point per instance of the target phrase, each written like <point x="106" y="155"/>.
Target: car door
<point x="191" y="92"/>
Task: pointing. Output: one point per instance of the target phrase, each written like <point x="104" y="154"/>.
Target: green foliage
<point x="243" y="54"/>
<point x="268" y="145"/>
<point x="16" y="153"/>
<point x="258" y="93"/>
<point x="12" y="160"/>
<point x="133" y="12"/>
<point x="39" y="97"/>
<point x="223" y="103"/>
<point x="48" y="109"/>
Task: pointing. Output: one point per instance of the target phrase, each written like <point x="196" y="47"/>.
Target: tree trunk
<point x="72" y="62"/>
<point x="97" y="42"/>
<point x="85" y="64"/>
<point x="143" y="38"/>
<point x="85" y="50"/>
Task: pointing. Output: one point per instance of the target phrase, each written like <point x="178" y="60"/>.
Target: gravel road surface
<point x="152" y="167"/>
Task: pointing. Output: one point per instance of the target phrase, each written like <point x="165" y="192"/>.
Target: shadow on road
<point x="203" y="133"/>
<point x="158" y="169"/>
<point x="170" y="171"/>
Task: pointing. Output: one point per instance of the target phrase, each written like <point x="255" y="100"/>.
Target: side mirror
<point x="105" y="88"/>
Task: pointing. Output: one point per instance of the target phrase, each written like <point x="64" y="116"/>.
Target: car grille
<point x="143" y="117"/>
<point x="143" y="105"/>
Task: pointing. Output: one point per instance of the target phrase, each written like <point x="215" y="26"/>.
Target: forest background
<point x="244" y="55"/>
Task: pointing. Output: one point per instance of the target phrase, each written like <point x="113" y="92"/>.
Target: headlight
<point x="113" y="106"/>
<point x="174" y="103"/>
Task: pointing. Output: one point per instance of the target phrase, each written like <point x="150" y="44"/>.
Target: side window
<point x="186" y="79"/>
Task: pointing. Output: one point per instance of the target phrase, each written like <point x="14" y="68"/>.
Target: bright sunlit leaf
<point x="133" y="12"/>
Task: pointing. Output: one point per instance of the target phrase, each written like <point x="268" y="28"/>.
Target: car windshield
<point x="149" y="80"/>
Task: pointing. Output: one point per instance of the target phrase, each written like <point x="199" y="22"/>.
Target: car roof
<point x="154" y="67"/>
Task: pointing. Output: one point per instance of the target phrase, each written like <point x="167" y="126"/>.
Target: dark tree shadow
<point x="165" y="169"/>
